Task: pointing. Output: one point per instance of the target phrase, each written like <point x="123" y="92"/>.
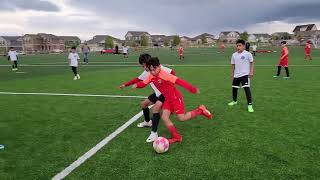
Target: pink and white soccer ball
<point x="161" y="145"/>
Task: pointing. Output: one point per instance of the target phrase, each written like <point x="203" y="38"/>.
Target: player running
<point x="157" y="99"/>
<point x="222" y="47"/>
<point x="307" y="51"/>
<point x="13" y="57"/>
<point x="181" y="53"/>
<point x="174" y="103"/>
<point x="284" y="60"/>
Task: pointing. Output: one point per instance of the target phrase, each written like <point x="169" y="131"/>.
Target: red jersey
<point x="180" y="50"/>
<point x="284" y="60"/>
<point x="308" y="47"/>
<point x="222" y="46"/>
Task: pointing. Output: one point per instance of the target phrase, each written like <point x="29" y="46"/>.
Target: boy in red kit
<point x="222" y="46"/>
<point x="174" y="103"/>
<point x="181" y="53"/>
<point x="284" y="60"/>
<point x="307" y="50"/>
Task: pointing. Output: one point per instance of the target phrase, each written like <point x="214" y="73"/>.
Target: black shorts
<point x="125" y="54"/>
<point x="153" y="98"/>
<point x="244" y="81"/>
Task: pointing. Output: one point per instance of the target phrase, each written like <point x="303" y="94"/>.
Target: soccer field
<point x="43" y="134"/>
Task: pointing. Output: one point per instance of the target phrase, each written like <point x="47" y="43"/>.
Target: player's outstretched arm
<point x="187" y="86"/>
<point x="129" y="83"/>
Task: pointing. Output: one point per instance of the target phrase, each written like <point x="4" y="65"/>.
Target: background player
<point x="156" y="98"/>
<point x="74" y="62"/>
<point x="284" y="60"/>
<point x="174" y="103"/>
<point x="241" y="72"/>
<point x="181" y="53"/>
<point x="307" y="51"/>
<point x="13" y="57"/>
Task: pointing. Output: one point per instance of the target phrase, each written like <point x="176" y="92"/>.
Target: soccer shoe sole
<point x="205" y="112"/>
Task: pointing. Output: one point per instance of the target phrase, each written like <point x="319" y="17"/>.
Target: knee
<point x="143" y="104"/>
<point x="180" y="118"/>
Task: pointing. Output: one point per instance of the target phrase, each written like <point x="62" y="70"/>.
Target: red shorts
<point x="308" y="52"/>
<point x="174" y="105"/>
<point x="284" y="63"/>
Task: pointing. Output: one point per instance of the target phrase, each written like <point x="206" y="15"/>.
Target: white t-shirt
<point x="13" y="55"/>
<point x="145" y="74"/>
<point x="242" y="63"/>
<point x="74" y="57"/>
<point x="125" y="50"/>
<point x="254" y="47"/>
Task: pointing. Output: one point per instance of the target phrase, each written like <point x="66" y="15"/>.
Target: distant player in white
<point x="156" y="99"/>
<point x="13" y="57"/>
<point x="254" y="49"/>
<point x="125" y="51"/>
<point x="74" y="61"/>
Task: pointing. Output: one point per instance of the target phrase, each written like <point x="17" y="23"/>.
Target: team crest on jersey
<point x="243" y="57"/>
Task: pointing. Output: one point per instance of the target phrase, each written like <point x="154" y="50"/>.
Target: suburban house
<point x="210" y="39"/>
<point x="97" y="43"/>
<point x="264" y="38"/>
<point x="158" y="40"/>
<point x="282" y="36"/>
<point x="229" y="36"/>
<point x="10" y="41"/>
<point x="186" y="41"/>
<point x="133" y="38"/>
<point x="71" y="40"/>
<point x="42" y="43"/>
<point x="306" y="32"/>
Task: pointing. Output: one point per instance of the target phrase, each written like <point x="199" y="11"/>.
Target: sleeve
<point x="232" y="60"/>
<point x="186" y="85"/>
<point x="144" y="83"/>
<point x="168" y="77"/>
<point x="144" y="75"/>
<point x="132" y="81"/>
<point x="250" y="57"/>
<point x="78" y="57"/>
<point x="173" y="72"/>
<point x="69" y="57"/>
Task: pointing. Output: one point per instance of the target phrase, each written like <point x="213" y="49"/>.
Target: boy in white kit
<point x="74" y="62"/>
<point x="13" y="57"/>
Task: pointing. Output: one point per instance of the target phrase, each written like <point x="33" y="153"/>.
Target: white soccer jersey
<point x="254" y="47"/>
<point x="13" y="55"/>
<point x="125" y="50"/>
<point x="74" y="57"/>
<point x="242" y="63"/>
<point x="145" y="74"/>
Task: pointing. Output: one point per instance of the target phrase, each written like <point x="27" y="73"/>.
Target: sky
<point x="86" y="18"/>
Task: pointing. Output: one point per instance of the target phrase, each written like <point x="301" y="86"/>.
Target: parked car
<point x="57" y="51"/>
<point x="107" y="51"/>
<point x="21" y="53"/>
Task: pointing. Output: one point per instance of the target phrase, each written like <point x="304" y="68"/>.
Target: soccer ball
<point x="161" y="145"/>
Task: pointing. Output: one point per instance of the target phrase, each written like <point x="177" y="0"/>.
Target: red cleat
<point x="205" y="112"/>
<point x="175" y="138"/>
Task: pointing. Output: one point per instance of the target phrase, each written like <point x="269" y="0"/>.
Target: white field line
<point x="61" y="65"/>
<point x="95" y="62"/>
<point x="74" y="95"/>
<point x="95" y="149"/>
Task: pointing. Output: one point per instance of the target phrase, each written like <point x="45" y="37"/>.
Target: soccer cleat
<point x="176" y="138"/>
<point x="286" y="78"/>
<point x="205" y="112"/>
<point x="75" y="78"/>
<point x="232" y="103"/>
<point x="78" y="76"/>
<point x="152" y="137"/>
<point x="250" y="109"/>
<point x="276" y="76"/>
<point x="145" y="124"/>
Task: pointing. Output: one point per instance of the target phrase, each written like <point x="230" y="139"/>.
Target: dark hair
<point x="240" y="41"/>
<point x="144" y="58"/>
<point x="73" y="47"/>
<point x="11" y="47"/>
<point x="154" y="62"/>
<point x="284" y="42"/>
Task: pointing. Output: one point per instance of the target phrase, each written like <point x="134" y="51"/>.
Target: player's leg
<point x="146" y="112"/>
<point x="175" y="136"/>
<point x="155" y="121"/>
<point x="287" y="72"/>
<point x="235" y="86"/>
<point x="278" y="72"/>
<point x="16" y="65"/>
<point x="245" y="81"/>
<point x="74" y="70"/>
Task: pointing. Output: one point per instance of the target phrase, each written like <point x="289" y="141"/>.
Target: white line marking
<point x="96" y="62"/>
<point x="76" y="95"/>
<point x="61" y="65"/>
<point x="95" y="149"/>
<point x="21" y="72"/>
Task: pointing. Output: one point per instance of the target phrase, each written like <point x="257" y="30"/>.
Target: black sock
<point x="146" y="114"/>
<point x="248" y="94"/>
<point x="155" y="122"/>
<point x="235" y="94"/>
<point x="287" y="71"/>
<point x="13" y="66"/>
<point x="16" y="64"/>
<point x="279" y="70"/>
<point x="74" y="70"/>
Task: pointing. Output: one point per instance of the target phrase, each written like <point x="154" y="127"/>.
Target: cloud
<point x="37" y="5"/>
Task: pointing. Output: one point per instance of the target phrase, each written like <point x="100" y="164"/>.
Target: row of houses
<point x="44" y="43"/>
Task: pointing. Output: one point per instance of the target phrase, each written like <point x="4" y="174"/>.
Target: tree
<point x="275" y="37"/>
<point x="300" y="36"/>
<point x="166" y="43"/>
<point x="144" y="41"/>
<point x="244" y="36"/>
<point x="69" y="44"/>
<point x="108" y="42"/>
<point x="176" y="40"/>
<point x="204" y="39"/>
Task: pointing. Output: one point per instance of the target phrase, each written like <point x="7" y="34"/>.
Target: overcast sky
<point x="86" y="18"/>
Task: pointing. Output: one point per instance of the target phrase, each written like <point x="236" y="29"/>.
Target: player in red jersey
<point x="284" y="60"/>
<point x="181" y="53"/>
<point x="307" y="51"/>
<point x="222" y="47"/>
<point x="174" y="103"/>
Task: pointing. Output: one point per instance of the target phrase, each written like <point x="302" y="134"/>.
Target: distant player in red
<point x="307" y="50"/>
<point x="284" y="60"/>
<point x="174" y="103"/>
<point x="222" y="47"/>
<point x="181" y="53"/>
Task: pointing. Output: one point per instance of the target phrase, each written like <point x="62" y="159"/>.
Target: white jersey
<point x="254" y="47"/>
<point x="125" y="50"/>
<point x="242" y="63"/>
<point x="13" y="55"/>
<point x="74" y="57"/>
<point x="145" y="74"/>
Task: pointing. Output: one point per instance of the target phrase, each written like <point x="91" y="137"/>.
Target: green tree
<point x="144" y="41"/>
<point x="70" y="44"/>
<point x="166" y="43"/>
<point x="275" y="37"/>
<point x="176" y="40"/>
<point x="108" y="42"/>
<point x="204" y="39"/>
<point x="299" y="36"/>
<point x="244" y="36"/>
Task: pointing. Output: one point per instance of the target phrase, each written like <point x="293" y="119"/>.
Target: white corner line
<point x="75" y="95"/>
<point x="95" y="149"/>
